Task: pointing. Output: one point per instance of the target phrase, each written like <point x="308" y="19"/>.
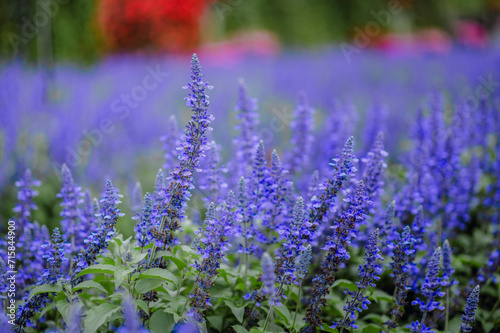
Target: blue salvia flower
<point x="343" y="168"/>
<point x="409" y="199"/>
<point x="303" y="262"/>
<point x="367" y="274"/>
<point x="375" y="119"/>
<point x="276" y="192"/>
<point x="98" y="240"/>
<point x="159" y="192"/>
<point x="402" y="252"/>
<point x="374" y="166"/>
<point x="143" y="228"/>
<point x="448" y="269"/>
<point x="292" y="245"/>
<point x="343" y="232"/>
<point x="302" y="139"/>
<point x="88" y="212"/>
<point x="212" y="247"/>
<point x="469" y="315"/>
<point x="257" y="180"/>
<point x="25" y="204"/>
<point x="313" y="185"/>
<point x="70" y="213"/>
<point x="387" y="229"/>
<point x="268" y="277"/>
<point x="131" y="323"/>
<point x="55" y="256"/>
<point x="212" y="180"/>
<point x="193" y="144"/>
<point x="246" y="140"/>
<point x="246" y="230"/>
<point x="431" y="291"/>
<point x="136" y="198"/>
<point x="170" y="143"/>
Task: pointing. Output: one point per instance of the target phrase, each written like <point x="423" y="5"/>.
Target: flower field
<point x="294" y="193"/>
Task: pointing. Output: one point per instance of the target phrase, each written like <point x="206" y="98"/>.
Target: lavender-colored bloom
<point x="448" y="269"/>
<point x="469" y="315"/>
<point x="292" y="245"/>
<point x="142" y="229"/>
<point x="131" y="323"/>
<point x="98" y="240"/>
<point x="159" y="192"/>
<point x="387" y="229"/>
<point x="5" y="326"/>
<point x="430" y="290"/>
<point x="136" y="198"/>
<point x="343" y="232"/>
<point x="71" y="213"/>
<point x="343" y="168"/>
<point x="247" y="229"/>
<point x="403" y="250"/>
<point x="212" y="247"/>
<point x="302" y="139"/>
<point x="55" y="256"/>
<point x="367" y="274"/>
<point x="246" y="140"/>
<point x="212" y="180"/>
<point x="374" y="166"/>
<point x="88" y="212"/>
<point x="268" y="277"/>
<point x="25" y="204"/>
<point x="303" y="262"/>
<point x="75" y="320"/>
<point x="170" y="143"/>
<point x="313" y="185"/>
<point x="193" y="144"/>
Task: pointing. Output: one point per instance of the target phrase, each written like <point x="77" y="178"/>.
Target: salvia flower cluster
<point x="280" y="241"/>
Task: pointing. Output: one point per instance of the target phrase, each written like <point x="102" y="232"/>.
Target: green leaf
<point x="145" y="285"/>
<point x="90" y="284"/>
<point x="184" y="248"/>
<point x="159" y="273"/>
<point x="137" y="256"/>
<point x="238" y="312"/>
<point x="239" y="329"/>
<point x="345" y="284"/>
<point x="370" y="328"/>
<point x="45" y="288"/>
<point x="63" y="308"/>
<point x="142" y="305"/>
<point x="161" y="322"/>
<point x="216" y="322"/>
<point x="105" y="269"/>
<point x="120" y="275"/>
<point x="283" y="311"/>
<point x="379" y="295"/>
<point x="98" y="315"/>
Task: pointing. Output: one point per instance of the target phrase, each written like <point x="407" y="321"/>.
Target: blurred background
<point x="93" y="83"/>
<point x="86" y="30"/>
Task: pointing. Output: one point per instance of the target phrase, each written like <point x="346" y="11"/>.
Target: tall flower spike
<point x="337" y="255"/>
<point x="98" y="241"/>
<point x="246" y="139"/>
<point x="136" y="198"/>
<point x="401" y="254"/>
<point x="170" y="143"/>
<point x="193" y="144"/>
<point x="367" y="274"/>
<point x="431" y="291"/>
<point x="373" y="170"/>
<point x="212" y="248"/>
<point x="302" y="139"/>
<point x="212" y="180"/>
<point x="303" y="262"/>
<point x="343" y="168"/>
<point x="448" y="269"/>
<point x="143" y="228"/>
<point x="469" y="315"/>
<point x="71" y="213"/>
<point x="268" y="277"/>
<point x="25" y="204"/>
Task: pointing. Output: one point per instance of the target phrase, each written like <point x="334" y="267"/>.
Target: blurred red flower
<point x="171" y="25"/>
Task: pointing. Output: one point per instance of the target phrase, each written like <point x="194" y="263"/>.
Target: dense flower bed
<point x="323" y="233"/>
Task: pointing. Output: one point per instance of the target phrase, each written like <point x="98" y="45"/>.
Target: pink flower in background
<point x="473" y="34"/>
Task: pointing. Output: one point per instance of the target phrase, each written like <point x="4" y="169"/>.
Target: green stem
<point x="298" y="305"/>
<point x="183" y="276"/>
<point x="268" y="316"/>
<point x="493" y="310"/>
<point x="447" y="311"/>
